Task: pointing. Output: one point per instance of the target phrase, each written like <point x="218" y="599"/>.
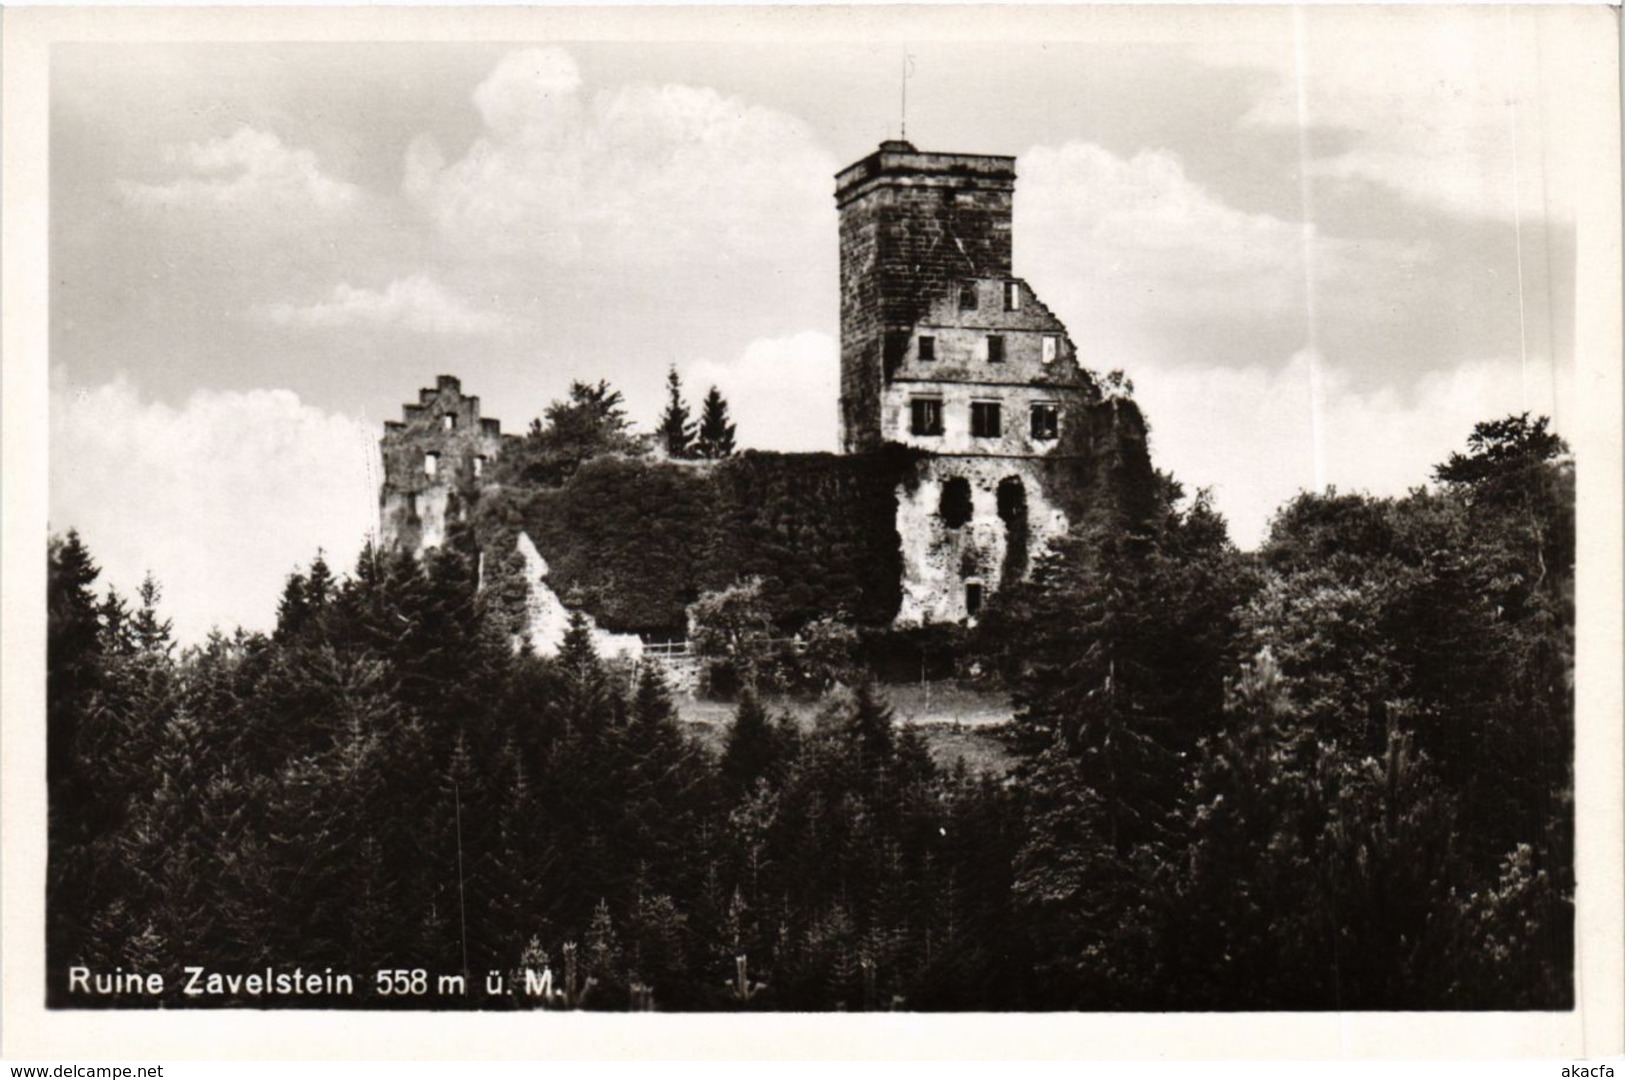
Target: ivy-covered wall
<point x="635" y="541"/>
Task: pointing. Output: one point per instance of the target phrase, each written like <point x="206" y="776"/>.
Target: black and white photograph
<point x="826" y="511"/>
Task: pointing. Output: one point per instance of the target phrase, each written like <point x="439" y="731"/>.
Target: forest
<point x="1333" y="773"/>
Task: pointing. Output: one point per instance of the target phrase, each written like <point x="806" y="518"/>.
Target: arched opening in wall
<point x="431" y="465"/>
<point x="1012" y="502"/>
<point x="955" y="506"/>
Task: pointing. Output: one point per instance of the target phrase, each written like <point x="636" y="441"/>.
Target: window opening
<point x="984" y="419"/>
<point x="955" y="505"/>
<point x="1046" y="420"/>
<point x="1011" y="499"/>
<point x="1051" y="348"/>
<point x="967" y="296"/>
<point x="1012" y="296"/>
<point x="431" y="464"/>
<point x="928" y="348"/>
<point x="973" y="598"/>
<point x="995" y="348"/>
<point x="925" y="416"/>
<point x="448" y="422"/>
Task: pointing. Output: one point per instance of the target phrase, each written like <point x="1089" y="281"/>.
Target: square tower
<point x="912" y="226"/>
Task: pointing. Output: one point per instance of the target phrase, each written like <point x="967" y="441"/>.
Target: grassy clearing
<point x="956" y="721"/>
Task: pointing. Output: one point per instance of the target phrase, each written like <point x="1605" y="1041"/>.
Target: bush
<point x="731" y="633"/>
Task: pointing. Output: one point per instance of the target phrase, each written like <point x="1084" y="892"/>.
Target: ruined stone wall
<point x="1037" y="347"/>
<point x="949" y="360"/>
<point x="1096" y="474"/>
<point x="940" y="557"/>
<point x="633" y="541"/>
<point x="434" y="458"/>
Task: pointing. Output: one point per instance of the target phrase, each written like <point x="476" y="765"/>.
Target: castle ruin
<point x="944" y="349"/>
<point x="947" y="357"/>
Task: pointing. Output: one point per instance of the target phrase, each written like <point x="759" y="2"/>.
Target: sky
<point x="1321" y="250"/>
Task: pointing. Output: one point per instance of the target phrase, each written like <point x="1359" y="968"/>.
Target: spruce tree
<point x="716" y="438"/>
<point x="74" y="675"/>
<point x="152" y="634"/>
<point x="871" y="728"/>
<point x="752" y="750"/>
<point x="293" y="610"/>
<point x="676" y="429"/>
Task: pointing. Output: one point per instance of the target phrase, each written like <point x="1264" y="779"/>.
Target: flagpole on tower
<point x="902" y="133"/>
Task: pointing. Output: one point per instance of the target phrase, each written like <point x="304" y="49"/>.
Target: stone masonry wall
<point x="941" y="558"/>
<point x="418" y="500"/>
<point x="910" y="224"/>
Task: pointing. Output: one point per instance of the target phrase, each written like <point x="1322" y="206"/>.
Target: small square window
<point x="1012" y="296"/>
<point x="995" y="348"/>
<point x="1052" y="348"/>
<point x="967" y="296"/>
<point x="925" y="416"/>
<point x="928" y="347"/>
<point x="984" y="419"/>
<point x="1046" y="420"/>
<point x="431" y="465"/>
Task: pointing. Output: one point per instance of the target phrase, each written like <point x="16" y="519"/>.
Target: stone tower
<point x="434" y="458"/>
<point x="944" y="349"/>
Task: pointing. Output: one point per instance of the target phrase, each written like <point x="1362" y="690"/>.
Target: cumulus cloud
<point x="639" y="174"/>
<point x="782" y="392"/>
<point x="1259" y="435"/>
<point x="220" y="498"/>
<point x="1142" y="221"/>
<point x="1423" y="103"/>
<point x="1143" y="262"/>
<point x="247" y="166"/>
<point x="415" y="303"/>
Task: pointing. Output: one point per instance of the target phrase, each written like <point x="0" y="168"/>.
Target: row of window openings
<point x="431" y="464"/>
<point x="995" y="348"/>
<point x="986" y="419"/>
<point x="969" y="297"/>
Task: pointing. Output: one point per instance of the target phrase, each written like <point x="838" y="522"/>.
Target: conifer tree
<point x="716" y="437"/>
<point x="152" y="634"/>
<point x="676" y="429"/>
<point x="117" y="637"/>
<point x="751" y="751"/>
<point x="588" y="701"/>
<point x="871" y="728"/>
<point x="73" y="657"/>
<point x="78" y="808"/>
<point x="293" y="610"/>
<point x="320" y="585"/>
